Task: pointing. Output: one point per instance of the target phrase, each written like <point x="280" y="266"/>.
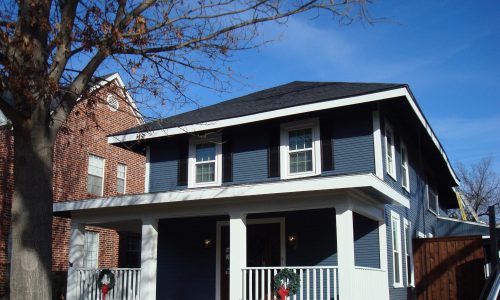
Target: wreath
<point x="110" y="280"/>
<point x="292" y="281"/>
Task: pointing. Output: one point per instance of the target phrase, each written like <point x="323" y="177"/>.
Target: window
<point x="95" y="175"/>
<point x="91" y="249"/>
<point x="300" y="149"/>
<point x="205" y="162"/>
<point x="408" y="253"/>
<point x="396" y="250"/>
<point x="390" y="153"/>
<point x="121" y="175"/>
<point x="113" y="103"/>
<point x="432" y="200"/>
<point x="405" y="170"/>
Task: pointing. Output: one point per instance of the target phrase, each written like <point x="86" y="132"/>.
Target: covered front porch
<point x="233" y="248"/>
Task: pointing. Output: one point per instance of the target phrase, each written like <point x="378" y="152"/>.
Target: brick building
<point x="85" y="166"/>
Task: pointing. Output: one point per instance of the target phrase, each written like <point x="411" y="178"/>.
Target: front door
<point x="263" y="250"/>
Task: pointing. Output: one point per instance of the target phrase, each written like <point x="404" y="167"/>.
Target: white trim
<point x="147" y="169"/>
<point x="149" y="258"/>
<point x="102" y="175"/>
<point x="216" y="139"/>
<point x="218" y="246"/>
<point x="405" y="170"/>
<point x="113" y="103"/>
<point x="88" y="233"/>
<point x="462" y="221"/>
<point x="390" y="168"/>
<point x="427" y="189"/>
<point x="395" y="217"/>
<point x="345" y="249"/>
<point x="124" y="178"/>
<point x="313" y="124"/>
<point x="382" y="236"/>
<point x="377" y="144"/>
<point x="373" y="97"/>
<point x="408" y="252"/>
<point x="314" y="184"/>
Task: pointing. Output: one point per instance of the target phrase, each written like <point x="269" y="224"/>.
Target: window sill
<point x="392" y="176"/>
<point x="300" y="175"/>
<point x="202" y="185"/>
<point x="407" y="189"/>
<point x="398" y="286"/>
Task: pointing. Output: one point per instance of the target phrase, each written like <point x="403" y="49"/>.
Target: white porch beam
<point x="76" y="256"/>
<point x="345" y="250"/>
<point x="149" y="250"/>
<point x="237" y="253"/>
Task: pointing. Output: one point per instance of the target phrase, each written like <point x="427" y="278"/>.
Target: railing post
<point x="237" y="254"/>
<point x="76" y="243"/>
<point x="149" y="250"/>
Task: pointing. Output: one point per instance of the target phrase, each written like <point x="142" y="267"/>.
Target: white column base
<point x="237" y="254"/>
<point x="149" y="249"/>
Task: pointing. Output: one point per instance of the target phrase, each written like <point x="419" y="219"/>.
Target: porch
<point x="336" y="245"/>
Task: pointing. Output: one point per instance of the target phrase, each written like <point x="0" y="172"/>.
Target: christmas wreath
<point x="106" y="280"/>
<point x="292" y="281"/>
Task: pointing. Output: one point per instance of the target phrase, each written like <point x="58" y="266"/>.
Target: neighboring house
<point x="85" y="166"/>
<point x="332" y="180"/>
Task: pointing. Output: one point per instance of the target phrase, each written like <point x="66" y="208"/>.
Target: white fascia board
<point x="258" y="116"/>
<point x="463" y="221"/>
<point x="246" y="190"/>
<point x="373" y="97"/>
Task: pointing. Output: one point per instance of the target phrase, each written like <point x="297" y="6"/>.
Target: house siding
<point x="458" y="228"/>
<point x="352" y="136"/>
<point x="366" y="242"/>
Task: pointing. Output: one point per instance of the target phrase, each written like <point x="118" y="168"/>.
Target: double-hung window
<point x="300" y="149"/>
<point x="121" y="176"/>
<point x="397" y="265"/>
<point x="91" y="249"/>
<point x="95" y="178"/>
<point x="205" y="162"/>
<point x="405" y="170"/>
<point x="432" y="200"/>
<point x="408" y="253"/>
<point x="390" y="151"/>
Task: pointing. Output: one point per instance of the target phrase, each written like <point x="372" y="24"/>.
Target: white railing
<point x="316" y="283"/>
<point x="370" y="283"/>
<point x="127" y="283"/>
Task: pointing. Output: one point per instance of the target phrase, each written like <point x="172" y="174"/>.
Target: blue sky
<point x="447" y="51"/>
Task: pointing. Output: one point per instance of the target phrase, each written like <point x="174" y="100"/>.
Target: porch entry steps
<point x="127" y="284"/>
<point x="316" y="283"/>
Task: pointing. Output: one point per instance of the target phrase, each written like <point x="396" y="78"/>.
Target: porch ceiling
<point x="367" y="184"/>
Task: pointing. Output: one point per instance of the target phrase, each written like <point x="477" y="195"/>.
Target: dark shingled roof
<point x="291" y="94"/>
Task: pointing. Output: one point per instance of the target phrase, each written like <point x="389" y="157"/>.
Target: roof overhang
<point x="376" y="188"/>
<point x="311" y="107"/>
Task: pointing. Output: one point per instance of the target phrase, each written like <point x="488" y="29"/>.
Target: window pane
<point x="300" y="139"/>
<point x="205" y="172"/>
<point x="301" y="161"/>
<point x="96" y="165"/>
<point x="91" y="248"/>
<point x="396" y="268"/>
<point x="120" y="185"/>
<point x="205" y="152"/>
<point x="405" y="177"/>
<point x="94" y="185"/>
<point x="120" y="170"/>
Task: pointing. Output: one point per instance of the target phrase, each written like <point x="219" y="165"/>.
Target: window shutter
<point x="227" y="161"/>
<point x="273" y="154"/>
<point x="182" y="163"/>
<point x="326" y="147"/>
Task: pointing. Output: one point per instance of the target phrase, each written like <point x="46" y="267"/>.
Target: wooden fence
<point x="449" y="268"/>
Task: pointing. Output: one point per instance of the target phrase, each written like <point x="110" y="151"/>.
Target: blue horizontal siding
<point x="366" y="242"/>
<point x="457" y="228"/>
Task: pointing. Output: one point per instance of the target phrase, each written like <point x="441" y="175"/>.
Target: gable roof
<point x="288" y="95"/>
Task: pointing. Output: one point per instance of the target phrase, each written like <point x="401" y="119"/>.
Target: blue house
<point x="332" y="180"/>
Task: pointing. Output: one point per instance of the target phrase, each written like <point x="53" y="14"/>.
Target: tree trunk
<point x="31" y="264"/>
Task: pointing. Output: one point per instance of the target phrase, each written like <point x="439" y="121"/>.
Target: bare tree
<point x="50" y="52"/>
<point x="480" y="185"/>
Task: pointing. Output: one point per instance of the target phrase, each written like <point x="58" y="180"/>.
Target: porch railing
<point x="316" y="283"/>
<point x="127" y="283"/>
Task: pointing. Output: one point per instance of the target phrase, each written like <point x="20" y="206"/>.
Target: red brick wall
<point x="84" y="133"/>
<point x="6" y="185"/>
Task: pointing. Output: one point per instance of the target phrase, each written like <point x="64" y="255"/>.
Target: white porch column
<point x="149" y="247"/>
<point x="75" y="259"/>
<point x="345" y="251"/>
<point x="237" y="254"/>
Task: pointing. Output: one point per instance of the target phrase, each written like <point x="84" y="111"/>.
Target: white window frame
<point x="390" y="168"/>
<point x="113" y="103"/>
<point x="429" y="200"/>
<point x="408" y="252"/>
<point x="405" y="167"/>
<point x="313" y="124"/>
<point x="396" y="221"/>
<point x="102" y="175"/>
<point x="217" y="140"/>
<point x="124" y="178"/>
<point x="85" y="250"/>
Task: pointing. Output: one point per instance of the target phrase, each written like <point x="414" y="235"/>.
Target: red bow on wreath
<point x="104" y="290"/>
<point x="283" y="292"/>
